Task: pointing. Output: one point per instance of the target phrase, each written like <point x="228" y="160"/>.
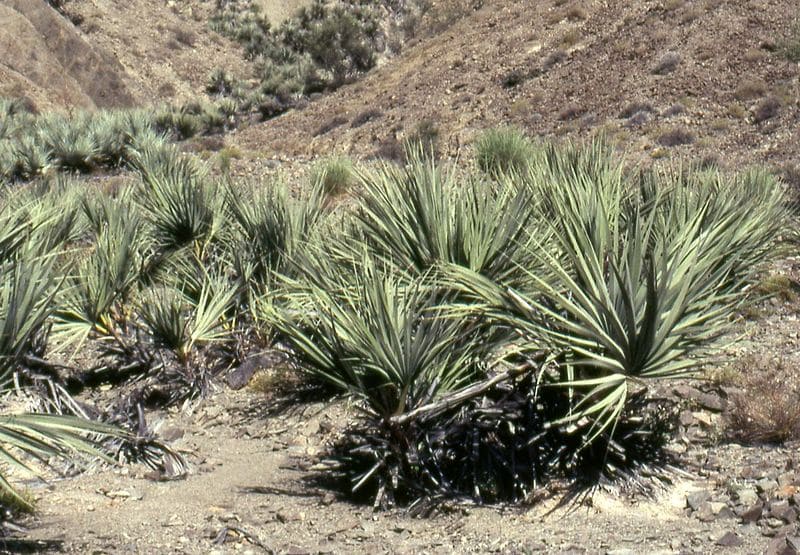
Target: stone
<point x="725" y="512"/>
<point x="686" y="418"/>
<point x="753" y="514"/>
<point x="696" y="499"/>
<point x="172" y="433"/>
<point x="785" y="492"/>
<point x="786" y="479"/>
<point x="711" y="402"/>
<point x="705" y="513"/>
<point x="773" y="522"/>
<point x="729" y="539"/>
<point x="779" y="546"/>
<point x="777" y="506"/>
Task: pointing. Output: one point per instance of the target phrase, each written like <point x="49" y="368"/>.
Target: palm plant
<point x="70" y="142"/>
<point x="640" y="282"/>
<point x="378" y="334"/>
<point x="33" y="158"/>
<point x="181" y="323"/>
<point x="178" y="201"/>
<point x="26" y="302"/>
<point x="105" y="277"/>
<point x="335" y="176"/>
<point x="272" y="229"/>
<point x="417" y="218"/>
<point x="46" y="436"/>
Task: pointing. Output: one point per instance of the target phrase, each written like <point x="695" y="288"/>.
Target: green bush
<point x="335" y="176"/>
<point x="321" y="47"/>
<point x="503" y="151"/>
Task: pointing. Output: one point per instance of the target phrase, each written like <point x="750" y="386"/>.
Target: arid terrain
<point x="666" y="81"/>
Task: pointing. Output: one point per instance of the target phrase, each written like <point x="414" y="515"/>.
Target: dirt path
<point x="248" y="475"/>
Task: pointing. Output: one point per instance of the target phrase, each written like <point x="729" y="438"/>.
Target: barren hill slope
<point x="104" y="53"/>
<point x="707" y="77"/>
<point x="46" y="60"/>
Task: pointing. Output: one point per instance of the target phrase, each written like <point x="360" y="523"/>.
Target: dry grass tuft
<point x="676" y="136"/>
<point x="667" y="63"/>
<point x="766" y="109"/>
<point x="750" y="89"/>
<point x="766" y="406"/>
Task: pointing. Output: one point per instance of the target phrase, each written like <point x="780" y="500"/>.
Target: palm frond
<point x="43" y="436"/>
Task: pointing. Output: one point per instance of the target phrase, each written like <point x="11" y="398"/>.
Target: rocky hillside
<point x="706" y="78"/>
<point x="102" y="53"/>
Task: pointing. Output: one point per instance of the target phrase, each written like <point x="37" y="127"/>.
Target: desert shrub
<point x="322" y="46"/>
<point x="341" y="40"/>
<point x="749" y="89"/>
<point x="425" y="137"/>
<point x="667" y="63"/>
<point x="554" y="58"/>
<point x="513" y="78"/>
<point x="184" y="36"/>
<point x="570" y="112"/>
<point x="634" y="108"/>
<point x="791" y="46"/>
<point x="271" y="107"/>
<point x="504" y="150"/>
<point x="335" y="176"/>
<point x="676" y="136"/>
<point x="330" y="125"/>
<point x="766" y="109"/>
<point x="764" y="407"/>
<point x="364" y="117"/>
<point x="220" y="83"/>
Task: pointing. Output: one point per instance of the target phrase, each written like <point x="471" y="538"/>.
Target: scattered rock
<point x="171" y="433"/>
<point x="730" y="539"/>
<point x="780" y="546"/>
<point x="696" y="499"/>
<point x="753" y="514"/>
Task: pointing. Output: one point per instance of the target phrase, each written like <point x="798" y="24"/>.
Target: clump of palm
<point x="181" y="322"/>
<point x="106" y="276"/>
<point x="640" y="283"/>
<point x="69" y="142"/>
<point x="271" y="224"/>
<point x="45" y="437"/>
<point x="375" y="333"/>
<point x="422" y="216"/>
<point x="178" y="201"/>
<point x="335" y="175"/>
<point x="27" y="293"/>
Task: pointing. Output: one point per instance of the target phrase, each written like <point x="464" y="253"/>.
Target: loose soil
<point x="253" y="457"/>
<point x="249" y="492"/>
